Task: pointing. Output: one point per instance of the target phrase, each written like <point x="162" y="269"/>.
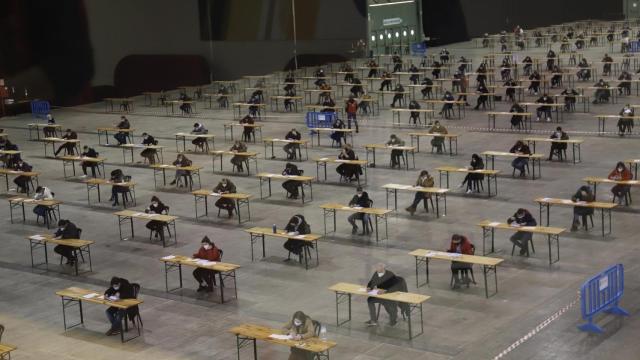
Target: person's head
<point x="115" y="283"/>
<point x="68" y="130"/>
<point x="359" y="191"/>
<point x="62" y="223"/>
<point x="49" y="117"/>
<point x="39" y="189"/>
<point x="393" y="136"/>
<point x="606" y="55"/>
<point x="294" y="130"/>
<point x="519" y="143"/>
<point x="424" y="173"/>
<point x="145" y="135"/>
<point x="123" y="117"/>
<point x="457" y="239"/>
<point x="155" y="200"/>
<point x="237" y="142"/>
<point x="85" y="147"/>
<point x="196" y="125"/>
<point x="206" y="243"/>
<point x="380" y="269"/>
<point x="476" y="157"/>
<point x="620" y="166"/>
<point x="298" y="318"/>
<point x="295" y="220"/>
<point x="436" y="123"/>
<point x="224" y="181"/>
<point x="559" y="129"/>
<point x="521" y="213"/>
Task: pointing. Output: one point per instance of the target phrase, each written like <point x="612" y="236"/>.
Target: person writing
<point x="119" y="289"/>
<point x="237" y="160"/>
<point x="381" y="282"/>
<point x="300" y="328"/>
<point x="205" y="277"/>
<point x="472" y="179"/>
<point x="88" y="152"/>
<point x="424" y="181"/>
<point x="291" y="147"/>
<point x="42" y="193"/>
<point x="521" y="239"/>
<point x="291" y="186"/>
<point x="460" y="270"/>
<point x="620" y="173"/>
<point x="350" y="172"/>
<point x="121" y="136"/>
<point x="69" y="147"/>
<point x="395" y="153"/>
<point x="156" y="207"/>
<point x="225" y="186"/>
<point x="558" y="147"/>
<point x="149" y="154"/>
<point x="248" y="131"/>
<point x="297" y="225"/>
<point x="117" y="177"/>
<point x="66" y="230"/>
<point x="181" y="161"/>
<point x="584" y="194"/>
<point x="520" y="163"/>
<point x="359" y="200"/>
<point x="438" y="141"/>
<point x="199" y="129"/>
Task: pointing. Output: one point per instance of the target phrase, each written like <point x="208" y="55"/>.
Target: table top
<point x="260" y="332"/>
<point x="508" y="113"/>
<point x="96" y="298"/>
<point x="443" y="255"/>
<point x="340" y="161"/>
<point x="412" y="110"/>
<point x="23" y="200"/>
<point x="573" y="141"/>
<point x="602" y="116"/>
<point x="140" y="146"/>
<point x="143" y="215"/>
<point x="248" y="104"/>
<point x="82" y="158"/>
<point x="282" y="234"/>
<point x="199" y="263"/>
<point x="404" y="297"/>
<point x="465" y="170"/>
<point x="287" y="177"/>
<point x="10" y="152"/>
<point x="547" y="230"/>
<point x="569" y="202"/>
<point x="332" y="130"/>
<point x="98" y="181"/>
<point x="55" y="139"/>
<point x="6" y="348"/>
<point x="244" y="125"/>
<point x="419" y="133"/>
<point x="68" y="242"/>
<point x="174" y="167"/>
<point x="203" y="192"/>
<point x="370" y="210"/>
<point x="115" y="129"/>
<point x="209" y="136"/>
<point x="510" y="154"/>
<point x="39" y="125"/>
<point x="235" y="153"/>
<point x="415" y="188"/>
<point x="391" y="147"/>
<point x="118" y="99"/>
<point x="594" y="179"/>
<point x="270" y="140"/>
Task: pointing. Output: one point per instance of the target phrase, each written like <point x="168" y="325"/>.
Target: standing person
<point x="156" y="207"/>
<point x="426" y="181"/>
<point x="149" y="154"/>
<point x="360" y="199"/>
<point x="620" y="173"/>
<point x="584" y="194"/>
<point x="558" y="147"/>
<point x="300" y="328"/>
<point x="351" y="108"/>
<point x="237" y="160"/>
<point x="460" y="245"/>
<point x="297" y="225"/>
<point x="225" y="186"/>
<point x="475" y="164"/>
<point x="438" y="141"/>
<point x="291" y="186"/>
<point x="42" y="193"/>
<point x="395" y="153"/>
<point x="521" y="239"/>
<point x="69" y="147"/>
<point x="66" y="230"/>
<point x="121" y="136"/>
<point x="291" y="148"/>
<point x="520" y="163"/>
<point x="207" y="251"/>
<point x="88" y="152"/>
<point x="381" y="282"/>
<point x="119" y="289"/>
<point x="248" y="131"/>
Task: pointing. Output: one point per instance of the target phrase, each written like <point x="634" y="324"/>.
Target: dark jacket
<point x="385" y="282"/>
<point x="294" y="136"/>
<point x="230" y="188"/>
<point x="526" y="220"/>
<point x="362" y="201"/>
<point x="291" y="169"/>
<point x="70" y="231"/>
<point x="125" y="291"/>
<point x="91" y="152"/>
<point x="149" y="141"/>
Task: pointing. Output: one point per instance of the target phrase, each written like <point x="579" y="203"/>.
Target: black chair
<point x="367" y="223"/>
<point x="465" y="271"/>
<point x="533" y="250"/>
<point x="133" y="313"/>
<point x="627" y="197"/>
<point x="584" y="221"/>
<point x="76" y="250"/>
<point x="526" y="170"/>
<point x="165" y="212"/>
<point x="444" y="147"/>
<point x="50" y="216"/>
<point x="1" y="331"/>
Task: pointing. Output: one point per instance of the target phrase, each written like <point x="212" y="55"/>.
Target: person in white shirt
<point x="42" y="193"/>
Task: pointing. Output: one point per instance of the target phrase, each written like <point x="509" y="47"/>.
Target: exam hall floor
<point x="459" y="324"/>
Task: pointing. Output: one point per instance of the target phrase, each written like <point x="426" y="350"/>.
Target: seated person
<point x="320" y="77"/>
<point x="185" y="107"/>
<point x="584" y="73"/>
<point x="399" y="94"/>
<point x="365" y="103"/>
<point x="384" y="281"/>
<point x="356" y="90"/>
<point x="337" y="136"/>
<point x="68" y="147"/>
<point x="437" y="69"/>
<point x="199" y="129"/>
<point x="569" y="98"/>
<point x="117" y="177"/>
<point x="205" y="277"/>
<point x="329" y="104"/>
<point x="254" y="110"/>
<point x="413" y="69"/>
<point x="149" y="154"/>
<point x="121" y="137"/>
<point x="534" y="83"/>
<point x="238" y="161"/>
<point x="556" y="79"/>
<point x="291" y="186"/>
<point x="361" y="200"/>
<point x="119" y="289"/>
<point x="291" y="148"/>
<point x="248" y="131"/>
<point x="88" y="152"/>
<point x="66" y="230"/>
<point x="482" y="99"/>
<point x="428" y="87"/>
<point x="42" y="193"/>
<point x="22" y="181"/>
<point x="298" y="226"/>
<point x="223" y="100"/>
<point x="180" y="162"/>
<point x="521" y="239"/>
<point x="426" y="181"/>
<point x="556" y="147"/>
<point x="386" y="81"/>
<point x="624" y="87"/>
<point x="516" y="120"/>
<point x="156" y="207"/>
<point x="350" y="172"/>
<point x="603" y="93"/>
<point x="510" y="92"/>
<point x="544" y="111"/>
<point x="324" y="94"/>
<point x="444" y="55"/>
<point x="481" y="78"/>
<point x="300" y="328"/>
<point x="606" y="65"/>
<point x="395" y="154"/>
<point x="460" y="270"/>
<point x="520" y="163"/>
<point x="528" y="65"/>
<point x="447" y="107"/>
<point x="225" y="186"/>
<point x="397" y="62"/>
<point x="348" y="70"/>
<point x="438" y="141"/>
<point x="620" y="173"/>
<point x="373" y="69"/>
<point x="414" y="115"/>
<point x="476" y="164"/>
<point x="50" y="131"/>
<point x="625" y="122"/>
<point x="584" y="194"/>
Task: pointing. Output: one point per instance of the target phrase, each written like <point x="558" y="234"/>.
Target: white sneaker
<point x="548" y="119"/>
<point x="537" y="119"/>
<point x="460" y="186"/>
<point x="469" y="191"/>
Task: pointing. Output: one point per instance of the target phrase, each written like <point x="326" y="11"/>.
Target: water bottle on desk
<point x="274" y="228"/>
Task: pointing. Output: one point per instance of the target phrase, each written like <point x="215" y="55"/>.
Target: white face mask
<point x="116" y="287"/>
<point x="154" y="203"/>
<point x="620" y="169"/>
<point x="380" y="274"/>
<point x="359" y="194"/>
<point x="207" y="247"/>
<point x="297" y="322"/>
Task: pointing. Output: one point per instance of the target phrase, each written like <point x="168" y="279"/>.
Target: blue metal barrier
<point x="40" y="108"/>
<point x="320" y="119"/>
<point x="602" y="293"/>
<point x="418" y="49"/>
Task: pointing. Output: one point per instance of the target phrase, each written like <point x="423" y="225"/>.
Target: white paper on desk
<point x="90" y="296"/>
<point x="269" y="175"/>
<point x="453" y="254"/>
<point x="169" y="257"/>
<point x="341" y="161"/>
<point x="514" y="224"/>
<point x="275" y="139"/>
<point x="299" y="236"/>
<point x="545" y="199"/>
<point x="112" y="298"/>
<point x="373" y="292"/>
<point x="323" y="159"/>
<point x="291" y="233"/>
<point x="567" y="201"/>
<point x="527" y="227"/>
<point x="362" y="289"/>
<point x="36" y="237"/>
<point x="357" y="207"/>
<point x="29" y="200"/>
<point x="462" y="169"/>
<point x="164" y="166"/>
<point x="215" y="194"/>
<point x="280" y="337"/>
<point x="495" y="223"/>
<point x="206" y="262"/>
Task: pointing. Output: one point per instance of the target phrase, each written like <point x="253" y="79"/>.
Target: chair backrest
<point x="136" y="289"/>
<point x="79" y="233"/>
<point x="126" y="178"/>
<point x="221" y="253"/>
<point x="316" y="327"/>
<point x="166" y="210"/>
<point x="473" y="249"/>
<point x="370" y="203"/>
<point x="1" y="331"/>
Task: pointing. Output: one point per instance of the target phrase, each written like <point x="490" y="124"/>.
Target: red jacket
<point x="624" y="175"/>
<point x="465" y="247"/>
<point x="212" y="254"/>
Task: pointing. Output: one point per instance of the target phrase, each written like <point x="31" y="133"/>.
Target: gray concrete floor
<point x="458" y="324"/>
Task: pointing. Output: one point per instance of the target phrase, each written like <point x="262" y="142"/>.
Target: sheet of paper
<point x="215" y="194"/>
<point x="494" y="223"/>
<point x="292" y="233"/>
<point x="36" y="237"/>
<point x="362" y="289"/>
<point x="373" y="292"/>
<point x="169" y="257"/>
<point x="299" y="236"/>
<point x="323" y="159"/>
<point x="90" y="296"/>
<point x="280" y="337"/>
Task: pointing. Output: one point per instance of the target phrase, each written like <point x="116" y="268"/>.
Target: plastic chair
<point x="75" y="250"/>
<point x="627" y="197"/>
<point x="526" y="170"/>
<point x="533" y="250"/>
<point x="134" y="312"/>
<point x="367" y="223"/>
<point x="165" y="212"/>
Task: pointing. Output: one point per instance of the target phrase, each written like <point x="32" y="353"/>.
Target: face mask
<point x="359" y="195"/>
<point x="207" y="247"/>
<point x="620" y="169"/>
<point x="380" y="274"/>
<point x="154" y="203"/>
<point x="224" y="184"/>
<point x="297" y="322"/>
<point x="116" y="287"/>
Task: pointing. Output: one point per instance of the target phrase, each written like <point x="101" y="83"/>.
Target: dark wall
<point x="459" y="20"/>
